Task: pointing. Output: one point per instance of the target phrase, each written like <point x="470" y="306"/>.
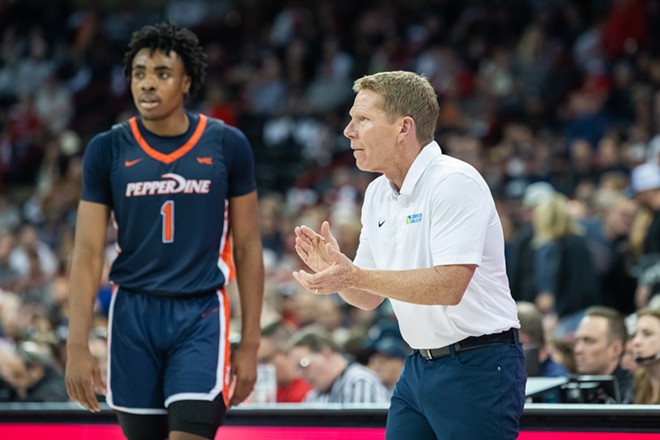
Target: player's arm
<point x="82" y="373"/>
<point x="248" y="258"/>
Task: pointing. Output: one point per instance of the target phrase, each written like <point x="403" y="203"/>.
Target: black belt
<point x="509" y="336"/>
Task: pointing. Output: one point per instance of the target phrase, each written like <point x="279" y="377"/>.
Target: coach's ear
<point x="407" y="129"/>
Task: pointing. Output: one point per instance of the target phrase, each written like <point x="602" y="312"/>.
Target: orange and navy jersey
<point x="169" y="199"/>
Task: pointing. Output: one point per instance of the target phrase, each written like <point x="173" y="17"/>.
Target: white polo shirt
<point x="443" y="215"/>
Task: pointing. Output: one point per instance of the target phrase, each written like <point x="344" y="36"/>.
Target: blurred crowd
<point x="555" y="102"/>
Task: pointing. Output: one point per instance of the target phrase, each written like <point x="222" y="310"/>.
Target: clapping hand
<point x="320" y="252"/>
<point x="313" y="248"/>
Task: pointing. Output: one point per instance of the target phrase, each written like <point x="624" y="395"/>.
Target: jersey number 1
<point x="167" y="211"/>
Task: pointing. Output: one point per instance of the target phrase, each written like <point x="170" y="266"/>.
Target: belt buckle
<point x="426" y="354"/>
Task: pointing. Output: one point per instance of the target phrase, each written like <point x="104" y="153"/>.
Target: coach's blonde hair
<point x="405" y="94"/>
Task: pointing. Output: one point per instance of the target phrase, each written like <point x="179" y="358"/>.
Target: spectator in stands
<point x="333" y="377"/>
<point x="25" y="134"/>
<point x="54" y="104"/>
<point x="30" y="373"/>
<point x="34" y="286"/>
<point x="270" y="222"/>
<point x="520" y="261"/>
<point x="304" y="309"/>
<point x="11" y="318"/>
<point x="8" y="275"/>
<point x="29" y="242"/>
<point x="565" y="277"/>
<point x="646" y="349"/>
<point x="387" y="359"/>
<point x="10" y="216"/>
<point x="34" y="69"/>
<point x="607" y="237"/>
<point x="7" y="354"/>
<point x="561" y="350"/>
<point x="329" y="315"/>
<point x="532" y="337"/>
<point x="291" y="387"/>
<point x="645" y="183"/>
<point x="628" y="361"/>
<point x="582" y="158"/>
<point x="599" y="345"/>
<point x="538" y="359"/>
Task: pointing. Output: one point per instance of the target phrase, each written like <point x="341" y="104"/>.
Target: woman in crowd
<point x="564" y="275"/>
<point x="646" y="349"/>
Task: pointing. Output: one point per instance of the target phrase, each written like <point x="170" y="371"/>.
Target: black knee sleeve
<point x="143" y="427"/>
<point x="199" y="417"/>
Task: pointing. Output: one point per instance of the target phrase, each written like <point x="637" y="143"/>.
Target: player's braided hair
<point x="168" y="37"/>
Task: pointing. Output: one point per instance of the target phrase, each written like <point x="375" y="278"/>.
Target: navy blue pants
<point x="473" y="394"/>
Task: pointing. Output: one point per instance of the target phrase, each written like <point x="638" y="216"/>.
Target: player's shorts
<point x="166" y="349"/>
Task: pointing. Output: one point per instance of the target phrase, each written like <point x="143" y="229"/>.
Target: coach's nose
<point x="349" y="131"/>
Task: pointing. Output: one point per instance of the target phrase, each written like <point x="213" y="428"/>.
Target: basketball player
<point x="180" y="190"/>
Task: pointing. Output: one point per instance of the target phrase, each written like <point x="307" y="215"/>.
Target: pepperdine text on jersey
<point x="171" y="184"/>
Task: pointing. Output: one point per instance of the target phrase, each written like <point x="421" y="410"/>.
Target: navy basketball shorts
<point x="472" y="394"/>
<point x="166" y="349"/>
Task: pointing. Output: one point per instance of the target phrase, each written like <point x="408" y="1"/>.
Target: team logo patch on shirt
<point x="171" y="184"/>
<point x="414" y="218"/>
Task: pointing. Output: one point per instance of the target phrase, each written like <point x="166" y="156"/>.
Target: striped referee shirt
<point x="357" y="384"/>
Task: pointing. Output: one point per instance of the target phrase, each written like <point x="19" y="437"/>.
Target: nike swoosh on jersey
<point x="381" y="223"/>
<point x="130" y="163"/>
<point x="205" y="160"/>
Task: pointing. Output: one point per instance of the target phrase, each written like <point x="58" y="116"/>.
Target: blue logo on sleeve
<point x="414" y="218"/>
